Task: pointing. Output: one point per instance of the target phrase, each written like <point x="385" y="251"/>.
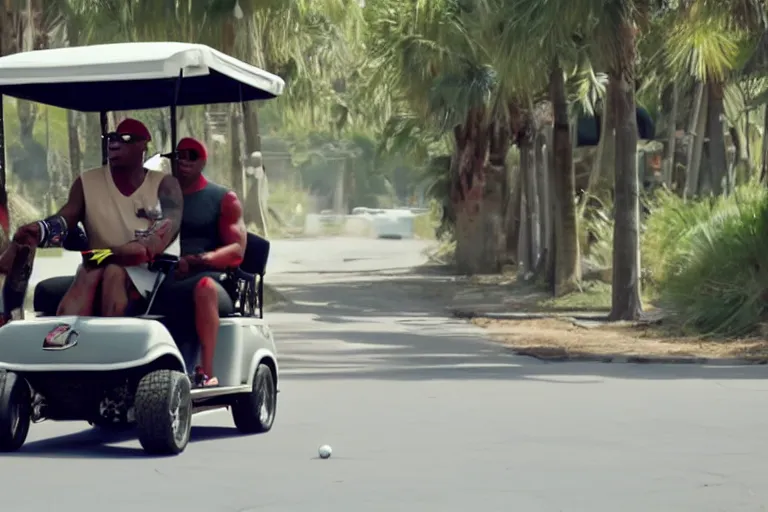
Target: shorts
<point x="144" y="279"/>
<point x="176" y="296"/>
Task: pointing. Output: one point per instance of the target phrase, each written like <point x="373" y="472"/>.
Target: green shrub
<point x="710" y="259"/>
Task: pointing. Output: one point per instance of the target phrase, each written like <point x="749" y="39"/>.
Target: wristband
<point x="53" y="231"/>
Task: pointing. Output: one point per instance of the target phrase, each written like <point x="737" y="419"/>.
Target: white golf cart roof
<point x="133" y="76"/>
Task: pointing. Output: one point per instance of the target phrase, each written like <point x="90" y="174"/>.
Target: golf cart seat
<point x="245" y="287"/>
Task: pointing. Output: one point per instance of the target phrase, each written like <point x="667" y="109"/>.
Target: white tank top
<point x="113" y="219"/>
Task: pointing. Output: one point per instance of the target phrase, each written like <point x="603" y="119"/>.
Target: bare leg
<point x="207" y="323"/>
<point x="79" y="298"/>
<point x="114" y="291"/>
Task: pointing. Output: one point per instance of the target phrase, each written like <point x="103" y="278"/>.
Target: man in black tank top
<point x="213" y="240"/>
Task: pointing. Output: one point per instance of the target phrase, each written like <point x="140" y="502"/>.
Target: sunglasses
<point x="127" y="138"/>
<point x="189" y="155"/>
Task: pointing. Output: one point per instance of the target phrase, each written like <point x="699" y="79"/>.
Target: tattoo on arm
<point x="165" y="228"/>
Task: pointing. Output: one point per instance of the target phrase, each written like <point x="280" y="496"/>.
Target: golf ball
<point x="324" y="451"/>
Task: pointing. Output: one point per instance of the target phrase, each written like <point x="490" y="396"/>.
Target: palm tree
<point x="427" y="54"/>
<point x="526" y="22"/>
<point x="614" y="24"/>
<point x="707" y="41"/>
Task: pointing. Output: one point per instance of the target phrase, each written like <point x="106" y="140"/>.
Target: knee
<point x="206" y="292"/>
<point x="114" y="275"/>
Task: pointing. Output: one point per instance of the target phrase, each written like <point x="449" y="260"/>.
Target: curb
<point x="570" y="315"/>
<point x="560" y="356"/>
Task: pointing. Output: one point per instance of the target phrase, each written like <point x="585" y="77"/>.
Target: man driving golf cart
<point x="130" y="215"/>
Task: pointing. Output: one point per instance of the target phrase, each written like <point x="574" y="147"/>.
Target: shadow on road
<point x="397" y="327"/>
<point x="93" y="443"/>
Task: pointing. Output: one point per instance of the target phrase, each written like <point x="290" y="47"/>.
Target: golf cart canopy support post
<point x="3" y="173"/>
<point x="104" y="123"/>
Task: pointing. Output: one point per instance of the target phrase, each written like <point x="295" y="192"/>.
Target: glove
<point x="97" y="258"/>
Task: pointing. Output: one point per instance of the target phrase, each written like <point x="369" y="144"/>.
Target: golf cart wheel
<point x="15" y="411"/>
<point x="254" y="412"/>
<point x="163" y="406"/>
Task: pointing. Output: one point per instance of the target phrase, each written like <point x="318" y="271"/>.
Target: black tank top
<point x="200" y="222"/>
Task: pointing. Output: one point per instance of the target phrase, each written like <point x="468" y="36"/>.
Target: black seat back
<point x="256" y="255"/>
<point x="250" y="276"/>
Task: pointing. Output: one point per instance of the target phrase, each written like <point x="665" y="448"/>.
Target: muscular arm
<point x="233" y="236"/>
<point x="163" y="230"/>
<point x="74" y="210"/>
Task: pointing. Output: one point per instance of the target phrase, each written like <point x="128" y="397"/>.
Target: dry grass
<point x="560" y="338"/>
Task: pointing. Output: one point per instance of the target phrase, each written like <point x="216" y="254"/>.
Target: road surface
<point x="423" y="415"/>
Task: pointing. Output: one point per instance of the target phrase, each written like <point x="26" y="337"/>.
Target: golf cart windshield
<point x="133" y="76"/>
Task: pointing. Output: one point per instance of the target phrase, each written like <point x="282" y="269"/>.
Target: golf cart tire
<point x="246" y="410"/>
<point x="15" y="411"/>
<point x="158" y="394"/>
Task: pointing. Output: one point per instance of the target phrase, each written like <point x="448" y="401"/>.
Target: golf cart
<point x="118" y="373"/>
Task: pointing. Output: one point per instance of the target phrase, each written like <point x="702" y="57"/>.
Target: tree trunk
<point x="567" y="257"/>
<point x="669" y="154"/>
<point x="549" y="167"/>
<point x="693" y="157"/>
<point x="545" y="203"/>
<point x="695" y="174"/>
<point x="251" y="127"/>
<point x="499" y="142"/>
<point x="237" y="179"/>
<point x="75" y="154"/>
<point x="740" y="168"/>
<point x="524" y="263"/>
<point x="528" y="168"/>
<point x="512" y="215"/>
<point x="717" y="156"/>
<point x="605" y="155"/>
<point x="765" y="146"/>
<point x="92" y="156"/>
<point x="477" y="197"/>
<point x="625" y="300"/>
<point x="207" y="132"/>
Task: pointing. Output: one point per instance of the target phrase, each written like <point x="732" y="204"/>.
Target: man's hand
<point x="189" y="264"/>
<point x="28" y="235"/>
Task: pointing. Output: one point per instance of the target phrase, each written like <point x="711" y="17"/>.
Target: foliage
<point x="712" y="266"/>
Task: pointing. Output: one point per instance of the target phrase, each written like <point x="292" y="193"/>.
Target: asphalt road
<point x="423" y="415"/>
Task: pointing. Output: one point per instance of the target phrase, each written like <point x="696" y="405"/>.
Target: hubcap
<point x="15" y="418"/>
<point x="266" y="393"/>
<point x="180" y="416"/>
